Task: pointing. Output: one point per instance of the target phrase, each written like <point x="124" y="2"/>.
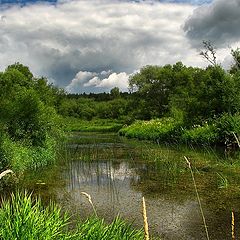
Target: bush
<point x="29" y="125"/>
<point x="228" y="124"/>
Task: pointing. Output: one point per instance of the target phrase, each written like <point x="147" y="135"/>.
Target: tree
<point x="115" y="92"/>
<point x="236" y="57"/>
<point x="209" y="53"/>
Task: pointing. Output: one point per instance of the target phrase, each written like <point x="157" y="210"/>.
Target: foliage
<point x="29" y="123"/>
<point x="20" y="156"/>
<point x="205" y="134"/>
<point x="217" y="131"/>
<point x="227" y="126"/>
<point x="236" y="57"/>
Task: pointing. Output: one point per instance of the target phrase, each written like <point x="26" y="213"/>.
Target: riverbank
<point x="223" y="131"/>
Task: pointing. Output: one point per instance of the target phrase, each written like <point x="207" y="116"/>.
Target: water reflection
<point x="117" y="173"/>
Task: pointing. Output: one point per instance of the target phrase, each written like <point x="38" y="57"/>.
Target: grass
<point x="95" y="125"/>
<point x="21" y="157"/>
<point x="24" y="217"/>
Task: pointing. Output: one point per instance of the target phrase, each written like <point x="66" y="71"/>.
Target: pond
<point x="117" y="173"/>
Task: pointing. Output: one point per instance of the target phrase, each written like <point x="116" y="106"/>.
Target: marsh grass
<point x="24" y="217"/>
<point x="96" y="229"/>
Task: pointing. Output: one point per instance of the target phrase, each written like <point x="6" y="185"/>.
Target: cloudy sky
<point x="94" y="45"/>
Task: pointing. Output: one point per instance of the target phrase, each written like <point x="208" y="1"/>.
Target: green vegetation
<point x="196" y="105"/>
<point x="29" y="124"/>
<point x="24" y="217"/>
<point x="218" y="131"/>
<point x="95" y="125"/>
<point x="163" y="129"/>
<point x="171" y="103"/>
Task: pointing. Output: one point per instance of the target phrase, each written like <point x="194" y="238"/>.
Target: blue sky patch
<point x="24" y="2"/>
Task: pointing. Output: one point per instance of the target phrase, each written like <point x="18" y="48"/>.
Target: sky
<point x="95" y="45"/>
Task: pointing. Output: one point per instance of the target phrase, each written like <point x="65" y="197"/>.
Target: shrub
<point x="228" y="124"/>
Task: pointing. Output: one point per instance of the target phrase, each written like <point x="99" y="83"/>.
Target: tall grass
<point x="95" y="229"/>
<point x="25" y="218"/>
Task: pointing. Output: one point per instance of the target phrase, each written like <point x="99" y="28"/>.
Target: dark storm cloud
<point x="217" y="22"/>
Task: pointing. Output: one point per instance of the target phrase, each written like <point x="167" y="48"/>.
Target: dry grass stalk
<point x="145" y="219"/>
<point x="233" y="226"/>
<point x="237" y="139"/>
<point x="90" y="201"/>
<point x="5" y="173"/>
<point x="198" y="198"/>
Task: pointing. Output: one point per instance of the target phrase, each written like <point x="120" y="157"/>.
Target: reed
<point x="198" y="198"/>
<point x="237" y="139"/>
<point x="145" y="219"/>
<point x="90" y="201"/>
<point x="233" y="226"/>
<point x="5" y="173"/>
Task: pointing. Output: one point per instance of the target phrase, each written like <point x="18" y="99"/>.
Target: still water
<point x="117" y="173"/>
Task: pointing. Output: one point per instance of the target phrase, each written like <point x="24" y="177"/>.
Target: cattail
<point x="90" y="201"/>
<point x="145" y="219"/>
